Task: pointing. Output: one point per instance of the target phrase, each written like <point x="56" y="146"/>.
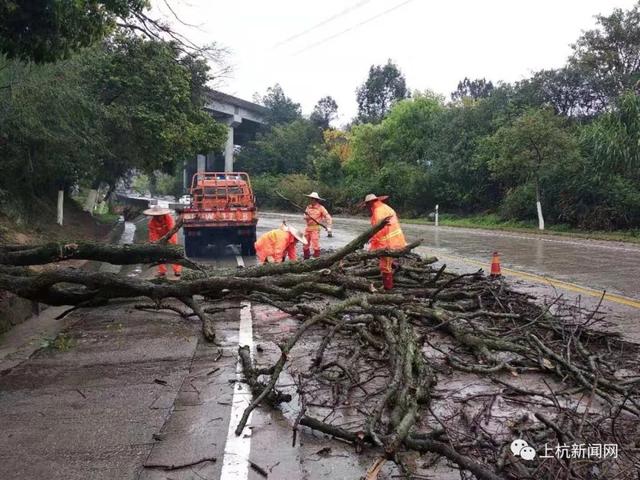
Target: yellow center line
<point x="572" y="287"/>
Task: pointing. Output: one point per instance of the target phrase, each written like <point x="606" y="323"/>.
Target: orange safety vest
<point x="159" y="226"/>
<point x="320" y="214"/>
<point x="277" y="244"/>
<point x="391" y="235"/>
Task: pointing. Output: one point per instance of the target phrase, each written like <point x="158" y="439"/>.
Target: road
<point x="546" y="266"/>
<point x="138" y="392"/>
<point x="140" y="395"/>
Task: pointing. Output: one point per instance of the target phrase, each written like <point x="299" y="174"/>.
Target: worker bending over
<point x="276" y="245"/>
<point x="160" y="223"/>
<point x="316" y="216"/>
<point x="390" y="237"/>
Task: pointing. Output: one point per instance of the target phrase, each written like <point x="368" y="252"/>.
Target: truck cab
<point x="222" y="212"/>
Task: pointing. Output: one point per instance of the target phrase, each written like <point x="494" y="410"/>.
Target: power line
<point x="358" y="25"/>
<point x="322" y="23"/>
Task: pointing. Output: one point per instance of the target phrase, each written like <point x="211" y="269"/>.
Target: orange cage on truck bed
<point x="222" y="212"/>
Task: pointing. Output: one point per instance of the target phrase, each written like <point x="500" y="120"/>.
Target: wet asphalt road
<point x="141" y="388"/>
<point x="534" y="263"/>
<point x="613" y="266"/>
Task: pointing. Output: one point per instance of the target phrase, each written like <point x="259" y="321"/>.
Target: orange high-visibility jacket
<point x="320" y="214"/>
<point x="391" y="235"/>
<point x="277" y="244"/>
<point x="159" y="226"/>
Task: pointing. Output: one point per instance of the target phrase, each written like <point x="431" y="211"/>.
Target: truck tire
<point x="191" y="247"/>
<point x="248" y="248"/>
<point x="248" y="245"/>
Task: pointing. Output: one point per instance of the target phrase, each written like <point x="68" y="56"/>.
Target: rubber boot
<point x="306" y="254"/>
<point x="387" y="281"/>
<point x="316" y="253"/>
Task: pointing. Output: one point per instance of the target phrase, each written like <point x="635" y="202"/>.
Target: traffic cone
<point x="495" y="265"/>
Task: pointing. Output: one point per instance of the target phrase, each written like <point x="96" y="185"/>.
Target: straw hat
<point x="371" y="197"/>
<point x="156" y="210"/>
<point x="315" y="196"/>
<point x="294" y="231"/>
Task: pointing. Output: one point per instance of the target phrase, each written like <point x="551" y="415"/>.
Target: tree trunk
<point x="24" y="255"/>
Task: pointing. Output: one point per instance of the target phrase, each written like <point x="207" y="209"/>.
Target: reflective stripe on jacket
<point x="391" y="235"/>
<point x="320" y="214"/>
<point x="277" y="244"/>
<point x="159" y="226"/>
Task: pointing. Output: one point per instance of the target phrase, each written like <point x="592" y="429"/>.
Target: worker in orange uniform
<point x="160" y="224"/>
<point x="276" y="245"/>
<point x="390" y="237"/>
<point x="315" y="215"/>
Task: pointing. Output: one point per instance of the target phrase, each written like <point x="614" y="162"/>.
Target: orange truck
<point x="222" y="212"/>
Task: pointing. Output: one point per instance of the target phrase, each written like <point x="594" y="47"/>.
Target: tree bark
<point x="115" y="254"/>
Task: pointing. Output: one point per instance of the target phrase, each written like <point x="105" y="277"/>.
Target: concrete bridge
<point x="242" y="118"/>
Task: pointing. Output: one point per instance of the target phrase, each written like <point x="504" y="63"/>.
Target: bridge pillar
<point x="201" y="165"/>
<point x="228" y="151"/>
<point x="228" y="148"/>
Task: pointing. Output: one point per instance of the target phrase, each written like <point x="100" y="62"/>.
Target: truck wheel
<point x="191" y="247"/>
<point x="248" y="249"/>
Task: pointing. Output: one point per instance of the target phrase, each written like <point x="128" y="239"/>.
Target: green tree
<point x="327" y="167"/>
<point x="460" y="182"/>
<point x="607" y="189"/>
<point x="384" y="86"/>
<point x="51" y="131"/>
<point x="475" y="89"/>
<point x="566" y="89"/>
<point x="282" y="109"/>
<point x="324" y="112"/>
<point x="49" y="30"/>
<point x="285" y="148"/>
<point x="395" y="156"/>
<point x="609" y="55"/>
<point x="152" y="99"/>
<point x="536" y="149"/>
<point x="126" y="104"/>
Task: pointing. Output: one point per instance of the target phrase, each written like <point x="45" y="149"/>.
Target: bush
<point x="294" y="187"/>
<point x="141" y="184"/>
<point x="520" y="203"/>
<point x="169" y="184"/>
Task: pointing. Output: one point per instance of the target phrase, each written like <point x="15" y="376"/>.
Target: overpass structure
<point x="243" y="118"/>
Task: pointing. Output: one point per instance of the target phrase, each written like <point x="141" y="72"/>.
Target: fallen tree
<point x="24" y="255"/>
<point x="401" y="361"/>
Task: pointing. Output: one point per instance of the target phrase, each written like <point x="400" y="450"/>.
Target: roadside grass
<point x="493" y="222"/>
<point x="106" y="218"/>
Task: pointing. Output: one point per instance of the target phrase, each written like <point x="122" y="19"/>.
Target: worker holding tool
<point x="316" y="217"/>
<point x="390" y="237"/>
<point x="160" y="223"/>
<point x="276" y="245"/>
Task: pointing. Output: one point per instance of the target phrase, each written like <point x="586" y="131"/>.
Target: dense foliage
<point x="569" y="138"/>
<point x="49" y="30"/>
<point x="126" y="104"/>
<point x="384" y="86"/>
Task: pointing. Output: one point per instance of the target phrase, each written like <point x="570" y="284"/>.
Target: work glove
<point x="270" y="259"/>
<point x="329" y="233"/>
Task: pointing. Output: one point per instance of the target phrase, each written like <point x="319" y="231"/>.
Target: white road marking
<point x="240" y="262"/>
<point x="237" y="448"/>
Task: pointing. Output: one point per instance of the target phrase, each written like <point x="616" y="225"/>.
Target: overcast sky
<point x="435" y="43"/>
